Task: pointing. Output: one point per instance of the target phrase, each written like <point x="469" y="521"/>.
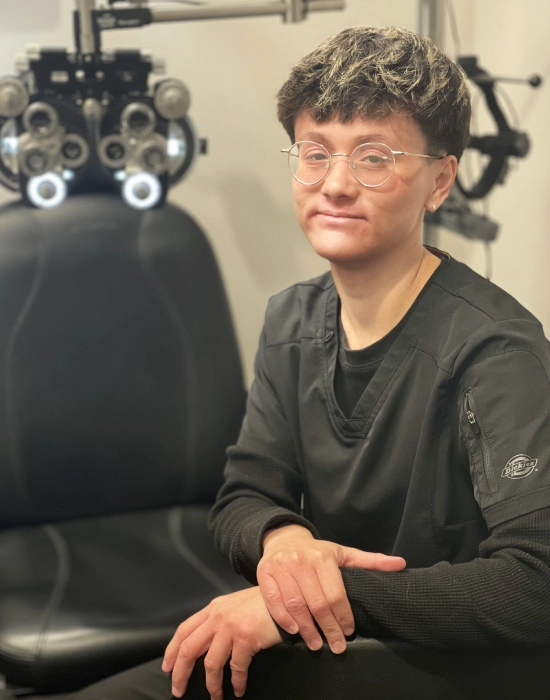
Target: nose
<point x="339" y="181"/>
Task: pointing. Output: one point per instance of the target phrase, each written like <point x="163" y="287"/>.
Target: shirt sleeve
<point x="504" y="416"/>
<point x="497" y="600"/>
<point x="263" y="484"/>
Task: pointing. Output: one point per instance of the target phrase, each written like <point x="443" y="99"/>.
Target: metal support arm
<point x="291" y="11"/>
<point x="90" y="22"/>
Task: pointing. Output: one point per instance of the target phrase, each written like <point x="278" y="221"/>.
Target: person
<point x="392" y="474"/>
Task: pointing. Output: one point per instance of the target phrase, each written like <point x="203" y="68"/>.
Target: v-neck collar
<point x="374" y="395"/>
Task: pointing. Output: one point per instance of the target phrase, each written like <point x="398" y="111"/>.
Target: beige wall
<point x="511" y="39"/>
<point x="240" y="192"/>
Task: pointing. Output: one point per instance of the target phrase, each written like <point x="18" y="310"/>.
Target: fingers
<point x="295" y="603"/>
<point x="274" y="602"/>
<point x="222" y="647"/>
<point x="328" y="603"/>
<point x="337" y="598"/>
<point x="374" y="561"/>
<point x="183" y="631"/>
<point x="241" y="659"/>
<point x="189" y="651"/>
<point x="301" y="584"/>
<point x="310" y="591"/>
<point x="238" y="619"/>
<point x="214" y="663"/>
<point x="323" y="599"/>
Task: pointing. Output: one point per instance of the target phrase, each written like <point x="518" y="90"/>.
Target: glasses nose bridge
<point x="338" y="155"/>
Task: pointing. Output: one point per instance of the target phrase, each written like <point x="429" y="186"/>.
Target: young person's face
<point x="348" y="223"/>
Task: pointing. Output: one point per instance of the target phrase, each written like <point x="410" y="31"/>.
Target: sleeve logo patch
<point x="519" y="467"/>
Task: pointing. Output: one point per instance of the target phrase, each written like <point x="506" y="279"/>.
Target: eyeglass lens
<point x="371" y="163"/>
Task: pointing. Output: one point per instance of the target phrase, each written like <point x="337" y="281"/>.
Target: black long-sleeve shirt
<point x="445" y="461"/>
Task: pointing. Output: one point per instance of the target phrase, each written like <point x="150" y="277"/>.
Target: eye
<point x="373" y="159"/>
<point x="314" y="156"/>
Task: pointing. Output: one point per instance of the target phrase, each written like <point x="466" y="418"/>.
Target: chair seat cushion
<point x="82" y="599"/>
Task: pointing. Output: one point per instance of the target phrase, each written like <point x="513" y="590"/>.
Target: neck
<point x="376" y="295"/>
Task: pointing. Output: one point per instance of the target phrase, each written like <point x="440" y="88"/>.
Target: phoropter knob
<point x="14" y="97"/>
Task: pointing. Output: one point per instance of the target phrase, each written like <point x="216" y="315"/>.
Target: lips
<point x="339" y="215"/>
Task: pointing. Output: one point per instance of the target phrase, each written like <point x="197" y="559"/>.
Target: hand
<point x="300" y="579"/>
<point x="237" y="625"/>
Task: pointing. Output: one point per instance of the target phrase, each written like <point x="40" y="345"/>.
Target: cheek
<point x="405" y="200"/>
<point x="300" y="202"/>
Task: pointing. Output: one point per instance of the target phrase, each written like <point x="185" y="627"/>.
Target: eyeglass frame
<point x="349" y="155"/>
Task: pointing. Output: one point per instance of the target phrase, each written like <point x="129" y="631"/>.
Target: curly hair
<point x="374" y="72"/>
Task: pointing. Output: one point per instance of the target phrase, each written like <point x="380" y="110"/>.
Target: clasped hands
<point x="299" y="581"/>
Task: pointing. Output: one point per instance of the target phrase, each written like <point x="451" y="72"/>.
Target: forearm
<point x="497" y="600"/>
<point x="259" y="493"/>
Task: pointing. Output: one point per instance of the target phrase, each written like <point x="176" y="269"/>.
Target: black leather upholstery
<point x="121" y="387"/>
<point x="122" y="383"/>
<point x="82" y="599"/>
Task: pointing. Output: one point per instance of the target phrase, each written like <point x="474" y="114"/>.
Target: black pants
<point x="369" y="669"/>
<point x="145" y="682"/>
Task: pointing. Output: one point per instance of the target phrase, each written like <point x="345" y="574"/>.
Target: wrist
<point x="283" y="530"/>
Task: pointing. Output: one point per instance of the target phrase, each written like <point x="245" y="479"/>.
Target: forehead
<point x="398" y="131"/>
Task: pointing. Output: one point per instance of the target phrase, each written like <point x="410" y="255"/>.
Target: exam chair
<point x="121" y="388"/>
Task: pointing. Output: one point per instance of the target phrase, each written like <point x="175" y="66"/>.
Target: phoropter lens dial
<point x="74" y="151"/>
<point x="138" y="120"/>
<point x="112" y="152"/>
<point x="152" y="156"/>
<point x="41" y="119"/>
<point x="35" y="159"/>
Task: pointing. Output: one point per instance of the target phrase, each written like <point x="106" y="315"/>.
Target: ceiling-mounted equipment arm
<point x="90" y="22"/>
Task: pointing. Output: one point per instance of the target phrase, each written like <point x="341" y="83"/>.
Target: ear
<point x="444" y="180"/>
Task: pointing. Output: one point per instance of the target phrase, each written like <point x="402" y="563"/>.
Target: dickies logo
<point x="519" y="467"/>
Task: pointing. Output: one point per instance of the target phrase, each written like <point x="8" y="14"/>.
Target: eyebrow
<point x="362" y="138"/>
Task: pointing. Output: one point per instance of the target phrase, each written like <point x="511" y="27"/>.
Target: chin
<point x="343" y="255"/>
<point x="340" y="248"/>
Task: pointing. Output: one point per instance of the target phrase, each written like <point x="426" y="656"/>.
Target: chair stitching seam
<point x="60" y="585"/>
<point x="182" y="548"/>
<point x="14" y="447"/>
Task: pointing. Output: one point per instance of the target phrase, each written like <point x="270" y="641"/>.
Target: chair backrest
<point x="121" y="383"/>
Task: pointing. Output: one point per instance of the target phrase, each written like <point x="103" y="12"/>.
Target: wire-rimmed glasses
<point x="372" y="164"/>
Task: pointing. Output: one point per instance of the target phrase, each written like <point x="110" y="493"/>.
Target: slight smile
<point x="338" y="216"/>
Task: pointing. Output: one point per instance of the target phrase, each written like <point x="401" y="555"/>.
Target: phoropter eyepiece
<point x="47" y="191"/>
<point x="142" y="191"/>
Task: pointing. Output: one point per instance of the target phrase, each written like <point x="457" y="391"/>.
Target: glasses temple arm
<point x="420" y="155"/>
